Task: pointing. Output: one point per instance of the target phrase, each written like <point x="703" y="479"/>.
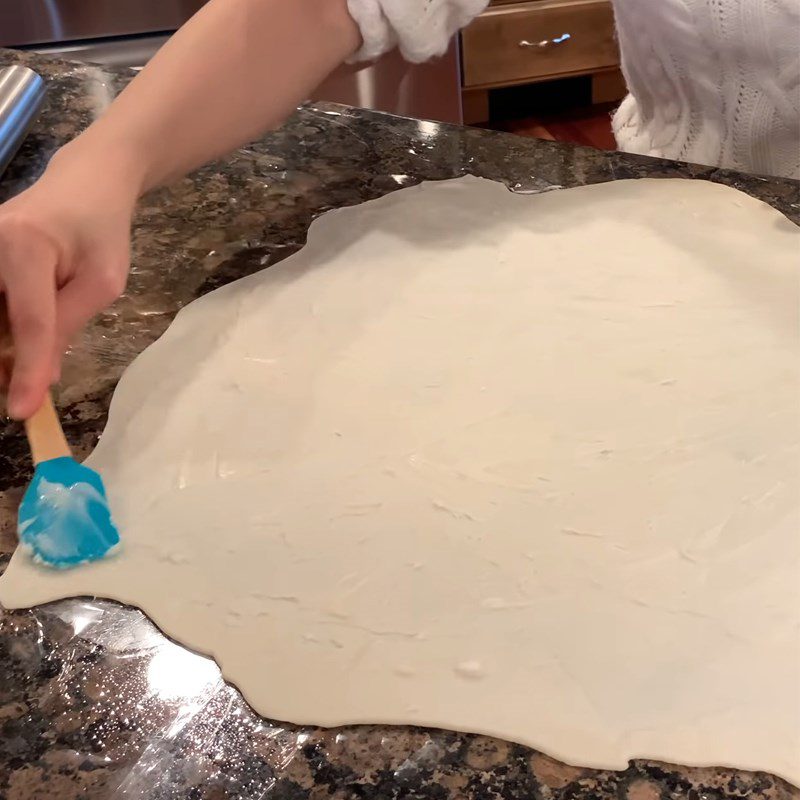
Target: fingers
<point x="31" y="304"/>
<point x="5" y="376"/>
<point x="6" y="348"/>
<point x="92" y="290"/>
<point x="31" y="301"/>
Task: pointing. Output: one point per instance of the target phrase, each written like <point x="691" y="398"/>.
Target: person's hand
<point x="64" y="256"/>
<point x="64" y="244"/>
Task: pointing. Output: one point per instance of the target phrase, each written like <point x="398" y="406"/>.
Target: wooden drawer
<point x="526" y="42"/>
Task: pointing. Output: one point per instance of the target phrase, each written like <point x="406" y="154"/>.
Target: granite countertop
<point x="87" y="708"/>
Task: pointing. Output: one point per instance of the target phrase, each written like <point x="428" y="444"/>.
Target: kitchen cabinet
<point x="515" y="43"/>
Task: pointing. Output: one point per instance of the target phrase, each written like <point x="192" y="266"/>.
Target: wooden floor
<point x="588" y="126"/>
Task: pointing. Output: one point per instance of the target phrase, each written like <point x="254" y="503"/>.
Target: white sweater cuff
<point x="421" y="28"/>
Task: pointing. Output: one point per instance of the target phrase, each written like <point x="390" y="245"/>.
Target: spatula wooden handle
<point x="45" y="434"/>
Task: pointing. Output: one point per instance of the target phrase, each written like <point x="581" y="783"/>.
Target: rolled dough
<point x="523" y="466"/>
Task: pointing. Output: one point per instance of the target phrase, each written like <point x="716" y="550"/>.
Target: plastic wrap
<point x="138" y="714"/>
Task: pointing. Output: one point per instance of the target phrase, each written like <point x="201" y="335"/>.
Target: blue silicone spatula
<point x="64" y="518"/>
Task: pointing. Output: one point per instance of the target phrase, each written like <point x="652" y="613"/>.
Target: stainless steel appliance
<point x="22" y="93"/>
<point x="126" y="33"/>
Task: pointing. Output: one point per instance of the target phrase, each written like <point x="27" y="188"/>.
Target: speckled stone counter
<point x="94" y="702"/>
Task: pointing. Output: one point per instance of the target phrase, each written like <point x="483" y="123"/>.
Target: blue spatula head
<point x="64" y="519"/>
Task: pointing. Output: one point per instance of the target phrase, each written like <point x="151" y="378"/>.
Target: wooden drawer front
<point x="527" y="42"/>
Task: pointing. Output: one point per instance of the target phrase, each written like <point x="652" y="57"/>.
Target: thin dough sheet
<point x="518" y="465"/>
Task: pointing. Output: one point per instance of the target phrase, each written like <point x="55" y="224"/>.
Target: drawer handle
<point x="546" y="43"/>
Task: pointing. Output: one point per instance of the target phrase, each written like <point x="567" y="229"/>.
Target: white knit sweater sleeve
<point x="421" y="28"/>
<point x="712" y="81"/>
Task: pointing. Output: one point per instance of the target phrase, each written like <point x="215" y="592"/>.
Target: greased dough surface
<point x="525" y="466"/>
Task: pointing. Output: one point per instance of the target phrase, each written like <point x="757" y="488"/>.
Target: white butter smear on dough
<point x="524" y="466"/>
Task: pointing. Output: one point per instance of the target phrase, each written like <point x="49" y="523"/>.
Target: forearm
<point x="238" y="68"/>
